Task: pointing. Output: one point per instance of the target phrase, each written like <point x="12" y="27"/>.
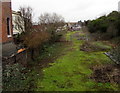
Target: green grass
<point x="102" y="45"/>
<point x="71" y="71"/>
<point x="51" y="50"/>
<point x="69" y="34"/>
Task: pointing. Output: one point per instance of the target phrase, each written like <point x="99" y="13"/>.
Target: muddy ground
<point x="106" y="73"/>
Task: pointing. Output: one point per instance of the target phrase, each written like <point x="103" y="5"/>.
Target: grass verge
<point x="71" y="71"/>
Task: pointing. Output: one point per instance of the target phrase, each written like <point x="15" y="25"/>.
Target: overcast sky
<point x="71" y="10"/>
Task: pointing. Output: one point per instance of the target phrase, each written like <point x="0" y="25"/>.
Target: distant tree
<point x="25" y="18"/>
<point x="108" y="26"/>
<point x="104" y="23"/>
<point x="23" y="23"/>
<point x="32" y="37"/>
<point x="27" y="14"/>
<point x="50" y="23"/>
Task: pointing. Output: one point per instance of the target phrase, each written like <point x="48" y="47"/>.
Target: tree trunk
<point x="32" y="54"/>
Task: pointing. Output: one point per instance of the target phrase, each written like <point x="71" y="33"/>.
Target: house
<point x="6" y="31"/>
<point x="17" y="22"/>
<point x="73" y="26"/>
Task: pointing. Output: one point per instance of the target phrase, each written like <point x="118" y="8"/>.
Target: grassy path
<point x="70" y="70"/>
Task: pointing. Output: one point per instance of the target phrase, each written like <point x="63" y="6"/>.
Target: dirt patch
<point x="90" y="47"/>
<point x="106" y="74"/>
<point x="79" y="36"/>
<point x="87" y="47"/>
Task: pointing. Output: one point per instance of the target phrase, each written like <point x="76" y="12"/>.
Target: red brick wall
<point x="0" y="21"/>
<point x="6" y="12"/>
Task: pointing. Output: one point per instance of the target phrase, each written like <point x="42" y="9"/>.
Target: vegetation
<point x="107" y="28"/>
<point x="32" y="36"/>
<point x="95" y="46"/>
<point x="108" y="25"/>
<point x="61" y="67"/>
<point x="64" y="66"/>
<point x="71" y="71"/>
<point x="50" y="23"/>
<point x="16" y="77"/>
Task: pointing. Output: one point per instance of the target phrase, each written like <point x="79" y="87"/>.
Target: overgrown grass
<point x="102" y="45"/>
<point x="16" y="77"/>
<point x="71" y="71"/>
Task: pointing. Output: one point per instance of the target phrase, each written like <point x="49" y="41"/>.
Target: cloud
<point x="72" y="10"/>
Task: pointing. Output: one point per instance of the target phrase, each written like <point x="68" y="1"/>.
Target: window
<point x="8" y="27"/>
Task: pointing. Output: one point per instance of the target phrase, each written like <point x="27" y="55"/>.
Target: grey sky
<point x="71" y="10"/>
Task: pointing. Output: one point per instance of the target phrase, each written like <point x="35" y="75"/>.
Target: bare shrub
<point x="35" y="39"/>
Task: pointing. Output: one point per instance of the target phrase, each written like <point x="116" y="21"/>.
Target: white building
<point x="17" y="22"/>
<point x="119" y="6"/>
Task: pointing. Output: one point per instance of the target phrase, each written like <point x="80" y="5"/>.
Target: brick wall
<point x="0" y="21"/>
<point x="6" y="13"/>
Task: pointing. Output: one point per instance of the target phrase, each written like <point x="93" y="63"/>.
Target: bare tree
<point x="48" y="18"/>
<point x="32" y="37"/>
<point x="23" y="23"/>
<point x="50" y="23"/>
<point x="24" y="18"/>
<point x="35" y="36"/>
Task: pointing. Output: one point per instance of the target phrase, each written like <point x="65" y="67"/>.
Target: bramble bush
<point x="14" y="78"/>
